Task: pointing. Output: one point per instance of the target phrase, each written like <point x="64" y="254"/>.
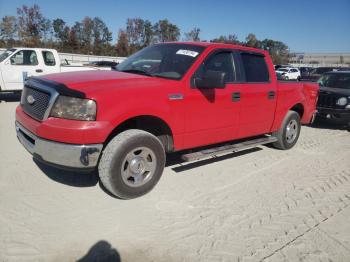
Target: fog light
<point x="342" y="101"/>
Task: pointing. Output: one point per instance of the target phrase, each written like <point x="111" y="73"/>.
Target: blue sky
<point x="304" y="25"/>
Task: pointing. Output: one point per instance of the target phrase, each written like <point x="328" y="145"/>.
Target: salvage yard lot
<point x="263" y="204"/>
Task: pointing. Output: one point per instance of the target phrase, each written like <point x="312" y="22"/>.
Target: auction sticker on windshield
<point x="187" y="52"/>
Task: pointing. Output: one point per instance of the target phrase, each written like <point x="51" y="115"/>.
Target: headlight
<point x="342" y="101"/>
<point x="74" y="108"/>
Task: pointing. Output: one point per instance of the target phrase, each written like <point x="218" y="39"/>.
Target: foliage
<point x="92" y="36"/>
<point x="230" y="39"/>
<point x="193" y="35"/>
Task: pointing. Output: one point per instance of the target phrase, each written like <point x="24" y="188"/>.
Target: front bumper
<point x="342" y="115"/>
<point x="63" y="155"/>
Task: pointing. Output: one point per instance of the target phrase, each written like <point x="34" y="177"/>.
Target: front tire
<point x="132" y="164"/>
<point x="289" y="132"/>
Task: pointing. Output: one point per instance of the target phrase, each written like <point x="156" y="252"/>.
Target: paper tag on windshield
<point x="187" y="52"/>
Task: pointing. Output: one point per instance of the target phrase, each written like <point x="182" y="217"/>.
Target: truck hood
<point x="332" y="90"/>
<point x="90" y="82"/>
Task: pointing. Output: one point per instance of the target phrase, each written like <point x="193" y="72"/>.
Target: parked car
<point x="334" y="98"/>
<point x="103" y="63"/>
<point x="17" y="64"/>
<point x="305" y="70"/>
<point x="190" y="95"/>
<point x="316" y="73"/>
<point x="289" y="73"/>
<point x="280" y="66"/>
<point x="343" y="69"/>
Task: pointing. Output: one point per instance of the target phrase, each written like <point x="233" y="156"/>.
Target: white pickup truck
<point x="17" y="64"/>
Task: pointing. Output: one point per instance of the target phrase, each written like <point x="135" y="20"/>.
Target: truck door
<point x="24" y="63"/>
<point x="211" y="115"/>
<point x="258" y="96"/>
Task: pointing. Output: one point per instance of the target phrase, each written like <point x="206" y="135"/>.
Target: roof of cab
<point x="220" y="45"/>
<point x="34" y="48"/>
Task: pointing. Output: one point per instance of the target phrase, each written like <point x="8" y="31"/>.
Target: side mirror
<point x="211" y="79"/>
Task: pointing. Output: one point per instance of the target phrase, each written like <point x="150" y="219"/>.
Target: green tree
<point x="193" y="35"/>
<point x="165" y="31"/>
<point x="230" y="39"/>
<point x="8" y="30"/>
<point x="148" y="36"/>
<point x="101" y="36"/>
<point x="252" y="41"/>
<point x="279" y="51"/>
<point x="31" y="25"/>
<point x="122" y="46"/>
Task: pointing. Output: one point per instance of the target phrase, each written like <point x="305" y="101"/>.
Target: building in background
<point x="320" y="59"/>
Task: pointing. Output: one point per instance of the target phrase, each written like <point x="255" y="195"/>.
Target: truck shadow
<point x="326" y="124"/>
<point x="70" y="178"/>
<point x="178" y="165"/>
<point x="102" y="251"/>
<point x="10" y="97"/>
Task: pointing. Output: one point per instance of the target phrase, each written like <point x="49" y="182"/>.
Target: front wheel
<point x="132" y="164"/>
<point x="289" y="132"/>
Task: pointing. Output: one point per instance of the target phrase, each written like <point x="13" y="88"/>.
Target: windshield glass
<point x="335" y="80"/>
<point x="6" y="54"/>
<point x="163" y="60"/>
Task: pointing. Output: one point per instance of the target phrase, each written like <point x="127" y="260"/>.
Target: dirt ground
<point x="259" y="205"/>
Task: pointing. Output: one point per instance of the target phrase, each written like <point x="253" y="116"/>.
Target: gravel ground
<point x="259" y="205"/>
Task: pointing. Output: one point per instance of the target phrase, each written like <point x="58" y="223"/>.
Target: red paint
<point x="203" y="117"/>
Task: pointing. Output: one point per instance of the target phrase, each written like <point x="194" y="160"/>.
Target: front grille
<point x="37" y="108"/>
<point x="327" y="100"/>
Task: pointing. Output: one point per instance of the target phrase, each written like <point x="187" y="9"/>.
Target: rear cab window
<point x="49" y="58"/>
<point x="255" y="68"/>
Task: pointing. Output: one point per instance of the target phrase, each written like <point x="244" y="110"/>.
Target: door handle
<point x="39" y="70"/>
<point x="271" y="95"/>
<point x="236" y="96"/>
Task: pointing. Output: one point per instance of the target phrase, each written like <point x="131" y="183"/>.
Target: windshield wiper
<point x="136" y="71"/>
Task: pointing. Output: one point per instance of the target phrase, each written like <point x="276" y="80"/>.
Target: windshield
<point x="163" y="60"/>
<point x="6" y="54"/>
<point x="335" y="80"/>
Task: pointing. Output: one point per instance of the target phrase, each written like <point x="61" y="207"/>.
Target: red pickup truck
<point x="165" y="98"/>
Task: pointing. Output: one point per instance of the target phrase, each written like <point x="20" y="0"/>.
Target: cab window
<point x="49" y="58"/>
<point x="255" y="68"/>
<point x="24" y="57"/>
<point x="220" y="62"/>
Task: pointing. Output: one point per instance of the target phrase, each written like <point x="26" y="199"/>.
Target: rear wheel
<point x="289" y="132"/>
<point x="132" y="164"/>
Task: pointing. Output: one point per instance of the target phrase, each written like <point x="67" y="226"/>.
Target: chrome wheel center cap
<point x="137" y="165"/>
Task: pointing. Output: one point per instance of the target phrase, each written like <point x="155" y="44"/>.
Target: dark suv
<point x="316" y="73"/>
<point x="334" y="98"/>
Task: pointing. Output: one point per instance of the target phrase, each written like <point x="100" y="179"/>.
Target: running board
<point x="230" y="148"/>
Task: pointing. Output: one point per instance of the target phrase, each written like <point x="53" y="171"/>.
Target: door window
<point x="221" y="62"/>
<point x="49" y="58"/>
<point x="255" y="68"/>
<point x="24" y="57"/>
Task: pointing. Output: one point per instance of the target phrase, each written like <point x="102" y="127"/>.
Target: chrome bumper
<point x="60" y="154"/>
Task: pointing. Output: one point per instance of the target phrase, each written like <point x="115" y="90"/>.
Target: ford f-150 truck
<point x="167" y="97"/>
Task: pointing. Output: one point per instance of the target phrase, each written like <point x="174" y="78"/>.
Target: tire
<point x="131" y="164"/>
<point x="287" y="139"/>
<point x="286" y="78"/>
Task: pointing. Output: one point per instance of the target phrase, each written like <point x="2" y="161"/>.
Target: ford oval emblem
<point x="30" y="99"/>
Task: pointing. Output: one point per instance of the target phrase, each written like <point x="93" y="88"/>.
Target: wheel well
<point x="151" y="124"/>
<point x="299" y="108"/>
